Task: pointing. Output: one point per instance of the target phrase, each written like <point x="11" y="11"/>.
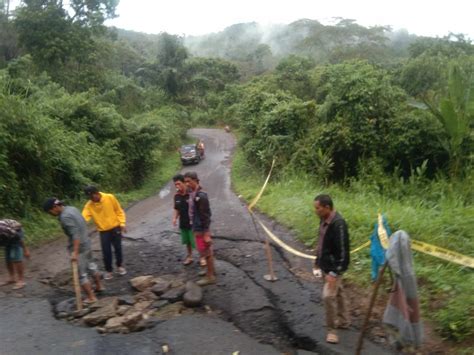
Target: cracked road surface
<point x="245" y="313"/>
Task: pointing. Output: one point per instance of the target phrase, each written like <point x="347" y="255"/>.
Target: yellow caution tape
<point x="426" y="248"/>
<point x="366" y="244"/>
<point x="383" y="237"/>
<point x="260" y="193"/>
<point x="442" y="253"/>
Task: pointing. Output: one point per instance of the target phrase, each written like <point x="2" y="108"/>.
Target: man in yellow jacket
<point x="109" y="218"/>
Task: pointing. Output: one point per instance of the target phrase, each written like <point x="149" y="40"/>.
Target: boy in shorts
<point x="181" y="212"/>
<point x="200" y="218"/>
<point x="14" y="254"/>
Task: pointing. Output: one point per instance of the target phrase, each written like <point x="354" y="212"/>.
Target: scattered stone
<point x="145" y="296"/>
<point x="159" y="304"/>
<point x="169" y="312"/>
<point x="141" y="283"/>
<point x="177" y="283"/>
<point x="142" y="305"/>
<point x="126" y="300"/>
<point x="67" y="306"/>
<point x="174" y="280"/>
<point x="132" y="319"/>
<point x="193" y="295"/>
<point x="174" y="295"/>
<point x="161" y="286"/>
<point x="143" y="324"/>
<point x="61" y="315"/>
<point x="114" y="325"/>
<point x="101" y="330"/>
<point x="81" y="313"/>
<point x="121" y="310"/>
<point x="101" y="315"/>
<point x="103" y="302"/>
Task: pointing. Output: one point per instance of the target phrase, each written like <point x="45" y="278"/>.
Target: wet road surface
<point x="245" y="313"/>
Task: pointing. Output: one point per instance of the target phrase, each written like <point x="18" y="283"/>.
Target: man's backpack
<point x="9" y="231"/>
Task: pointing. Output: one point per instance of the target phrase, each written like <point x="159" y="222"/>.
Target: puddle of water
<point x="164" y="192"/>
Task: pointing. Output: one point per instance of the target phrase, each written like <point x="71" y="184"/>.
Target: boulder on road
<point x="161" y="286"/>
<point x="101" y="315"/>
<point x="65" y="308"/>
<point x="173" y="295"/>
<point x="132" y="319"/>
<point x="141" y="283"/>
<point x="193" y="295"/>
<point x="115" y="325"/>
<point x="126" y="300"/>
<point x="145" y="296"/>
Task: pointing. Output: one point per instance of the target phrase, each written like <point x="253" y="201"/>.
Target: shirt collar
<point x="329" y="219"/>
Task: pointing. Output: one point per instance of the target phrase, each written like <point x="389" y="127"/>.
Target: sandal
<point x="100" y="290"/>
<point x="188" y="261"/>
<point x="6" y="283"/>
<point x="87" y="301"/>
<point x="332" y="338"/>
<point x="203" y="262"/>
<point x="19" y="286"/>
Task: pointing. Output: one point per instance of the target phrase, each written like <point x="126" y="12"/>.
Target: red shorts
<point x="203" y="247"/>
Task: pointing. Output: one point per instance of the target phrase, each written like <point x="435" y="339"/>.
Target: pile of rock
<point x="158" y="299"/>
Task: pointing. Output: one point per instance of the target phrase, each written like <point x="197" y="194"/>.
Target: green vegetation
<point x="41" y="228"/>
<point x="350" y="129"/>
<point x="383" y="121"/>
<point x="446" y="221"/>
<point x="78" y="106"/>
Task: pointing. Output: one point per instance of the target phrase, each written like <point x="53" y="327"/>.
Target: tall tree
<point x="61" y="37"/>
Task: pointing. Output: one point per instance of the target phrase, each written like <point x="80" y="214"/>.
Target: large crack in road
<point x="248" y="314"/>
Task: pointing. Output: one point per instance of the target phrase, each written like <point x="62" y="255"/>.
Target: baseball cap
<point x="50" y="203"/>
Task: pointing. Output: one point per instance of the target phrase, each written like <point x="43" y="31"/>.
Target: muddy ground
<point x="243" y="312"/>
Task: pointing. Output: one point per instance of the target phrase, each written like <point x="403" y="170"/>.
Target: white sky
<point x="196" y="17"/>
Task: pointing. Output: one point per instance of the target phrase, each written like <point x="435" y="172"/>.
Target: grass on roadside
<point x="41" y="228"/>
<point x="446" y="289"/>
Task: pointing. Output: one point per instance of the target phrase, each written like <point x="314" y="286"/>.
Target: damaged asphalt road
<point x="244" y="313"/>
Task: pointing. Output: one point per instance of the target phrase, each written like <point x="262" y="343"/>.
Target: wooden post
<point x="268" y="251"/>
<point x="369" y="311"/>
<point x="77" y="286"/>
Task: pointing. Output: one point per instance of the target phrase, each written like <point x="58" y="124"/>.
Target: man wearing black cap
<point x="109" y="218"/>
<point x="74" y="226"/>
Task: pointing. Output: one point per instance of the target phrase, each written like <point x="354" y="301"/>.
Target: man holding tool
<point x="332" y="259"/>
<point x="74" y="226"/>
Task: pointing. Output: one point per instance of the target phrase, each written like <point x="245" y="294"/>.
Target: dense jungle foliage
<point x="79" y="106"/>
<point x="368" y="113"/>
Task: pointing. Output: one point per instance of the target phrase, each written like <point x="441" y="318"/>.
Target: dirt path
<point x="247" y="313"/>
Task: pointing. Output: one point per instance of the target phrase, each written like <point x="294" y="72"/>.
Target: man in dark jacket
<point x="332" y="259"/>
<point x="200" y="219"/>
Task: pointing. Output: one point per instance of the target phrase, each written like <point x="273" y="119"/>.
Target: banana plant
<point x="456" y="113"/>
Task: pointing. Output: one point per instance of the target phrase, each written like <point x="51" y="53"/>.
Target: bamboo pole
<point x="77" y="286"/>
<point x="369" y="311"/>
